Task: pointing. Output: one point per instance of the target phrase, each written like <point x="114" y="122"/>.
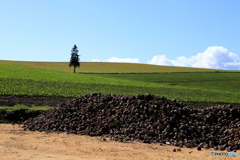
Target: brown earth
<point x="53" y="101"/>
<point x="31" y="101"/>
<point x="17" y="144"/>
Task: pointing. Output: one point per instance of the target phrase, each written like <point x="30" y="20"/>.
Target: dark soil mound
<point x="143" y="118"/>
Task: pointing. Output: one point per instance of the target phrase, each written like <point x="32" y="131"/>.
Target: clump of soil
<point x="144" y="118"/>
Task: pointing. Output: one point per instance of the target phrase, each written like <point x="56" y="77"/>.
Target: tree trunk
<point x="74" y="70"/>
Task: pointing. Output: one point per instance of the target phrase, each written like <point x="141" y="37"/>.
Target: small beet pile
<point x="143" y="118"/>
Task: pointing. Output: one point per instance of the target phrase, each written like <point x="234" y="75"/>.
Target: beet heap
<point x="144" y="118"/>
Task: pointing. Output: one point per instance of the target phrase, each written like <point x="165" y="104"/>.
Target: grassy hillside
<point x="188" y="87"/>
<point x="104" y="67"/>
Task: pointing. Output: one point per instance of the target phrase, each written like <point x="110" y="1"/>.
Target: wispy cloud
<point x="214" y="57"/>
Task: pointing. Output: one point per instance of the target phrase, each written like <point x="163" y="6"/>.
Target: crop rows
<point x="211" y="81"/>
<point x="57" y="89"/>
<point x="28" y="81"/>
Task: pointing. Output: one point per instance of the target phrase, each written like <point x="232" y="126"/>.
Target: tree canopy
<point x="74" y="61"/>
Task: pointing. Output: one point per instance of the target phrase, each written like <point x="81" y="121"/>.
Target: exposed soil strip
<point x="53" y="101"/>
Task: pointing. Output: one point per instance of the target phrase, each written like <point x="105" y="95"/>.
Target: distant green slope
<point x="106" y="67"/>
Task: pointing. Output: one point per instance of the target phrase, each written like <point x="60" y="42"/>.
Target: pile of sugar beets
<point x="143" y="118"/>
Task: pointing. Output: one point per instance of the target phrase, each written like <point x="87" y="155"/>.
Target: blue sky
<point x="193" y="33"/>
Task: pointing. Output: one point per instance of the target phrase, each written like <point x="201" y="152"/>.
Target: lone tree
<point x="74" y="61"/>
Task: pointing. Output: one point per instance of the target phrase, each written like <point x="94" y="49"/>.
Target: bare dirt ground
<point x="31" y="101"/>
<point x="17" y="144"/>
<point x="54" y="101"/>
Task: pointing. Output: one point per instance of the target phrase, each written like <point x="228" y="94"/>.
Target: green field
<point x="56" y="79"/>
<point x="210" y="81"/>
<point x="104" y="67"/>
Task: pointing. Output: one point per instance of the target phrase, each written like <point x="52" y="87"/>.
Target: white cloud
<point x="160" y="60"/>
<point x="115" y="59"/>
<point x="213" y="57"/>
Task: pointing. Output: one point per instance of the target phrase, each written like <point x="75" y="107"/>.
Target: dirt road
<point x="17" y="144"/>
